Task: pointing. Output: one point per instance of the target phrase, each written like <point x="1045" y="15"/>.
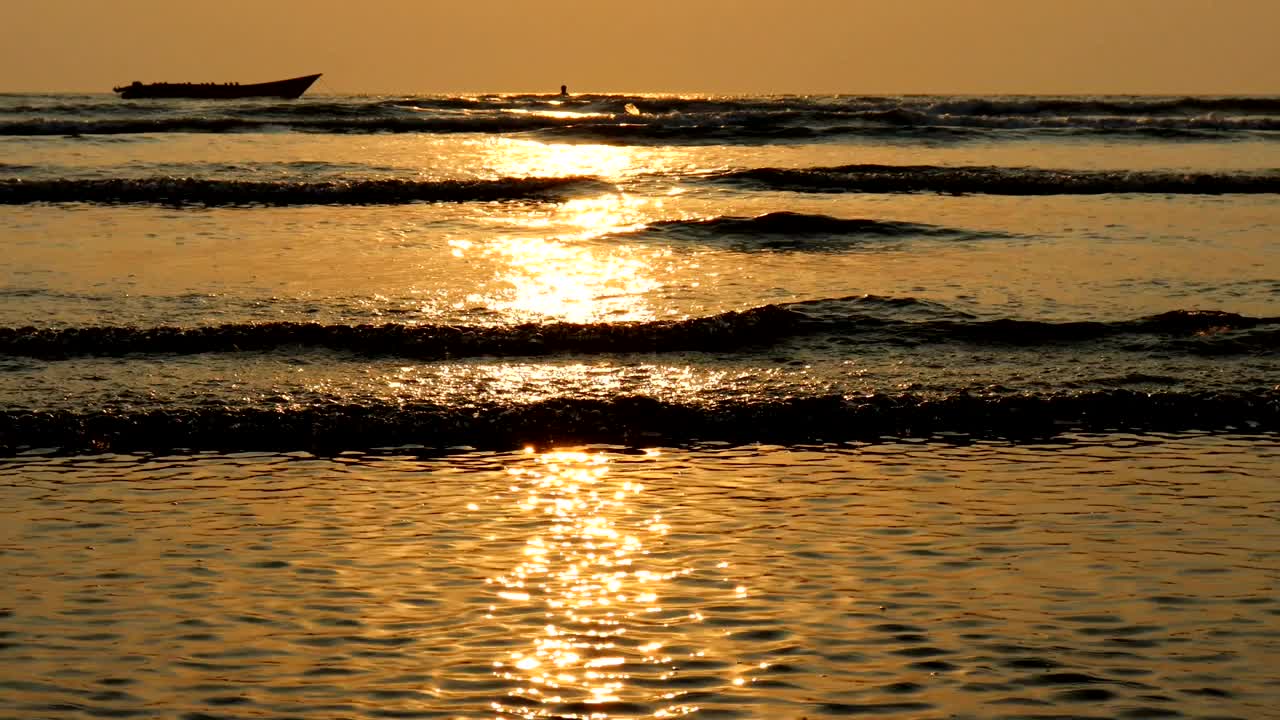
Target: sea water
<point x="524" y="406"/>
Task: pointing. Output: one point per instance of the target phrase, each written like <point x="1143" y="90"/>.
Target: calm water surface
<point x="1095" y="576"/>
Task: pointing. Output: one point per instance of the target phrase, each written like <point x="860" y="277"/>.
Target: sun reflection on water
<point x="552" y="278"/>
<point x="562" y="276"/>
<point x="522" y="158"/>
<point x="559" y="114"/>
<point x="600" y="604"/>
<point x="549" y="262"/>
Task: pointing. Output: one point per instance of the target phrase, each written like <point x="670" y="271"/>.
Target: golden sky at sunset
<point x="719" y="46"/>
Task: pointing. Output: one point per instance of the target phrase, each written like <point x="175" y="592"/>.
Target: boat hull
<point x="289" y="89"/>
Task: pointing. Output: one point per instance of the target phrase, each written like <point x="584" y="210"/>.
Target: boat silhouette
<point x="289" y="89"/>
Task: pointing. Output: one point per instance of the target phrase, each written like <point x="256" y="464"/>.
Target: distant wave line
<point x="785" y="230"/>
<point x="867" y="178"/>
<point x="211" y="192"/>
<point x="652" y="124"/>
<point x="179" y="191"/>
<point x="959" y="105"/>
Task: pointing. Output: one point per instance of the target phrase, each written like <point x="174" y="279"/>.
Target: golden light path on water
<point x="507" y="157"/>
<point x="543" y="268"/>
<point x="588" y="570"/>
<point x="600" y="648"/>
<point x="565" y="279"/>
<point x="546" y="264"/>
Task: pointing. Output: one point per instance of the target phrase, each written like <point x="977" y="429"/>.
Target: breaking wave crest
<point x="995" y="180"/>
<point x="865" y="321"/>
<point x="719" y="332"/>
<point x="668" y="119"/>
<point x="793" y="223"/>
<point x="210" y="192"/>
<point x="1131" y="106"/>
<point x="1114" y="105"/>
<point x="167" y="190"/>
<point x="794" y="231"/>
<point x="254" y="124"/>
<point x="636" y="420"/>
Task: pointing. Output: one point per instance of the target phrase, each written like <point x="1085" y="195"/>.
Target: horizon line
<point x="710" y="93"/>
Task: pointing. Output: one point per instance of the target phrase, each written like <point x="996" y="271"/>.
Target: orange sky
<point x="723" y="46"/>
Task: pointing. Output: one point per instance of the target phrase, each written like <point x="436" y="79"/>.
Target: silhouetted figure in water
<point x="564" y="91"/>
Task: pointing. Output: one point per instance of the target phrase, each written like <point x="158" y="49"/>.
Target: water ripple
<point x="886" y="579"/>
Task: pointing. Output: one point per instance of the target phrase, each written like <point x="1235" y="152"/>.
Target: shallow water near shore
<point x="1096" y="576"/>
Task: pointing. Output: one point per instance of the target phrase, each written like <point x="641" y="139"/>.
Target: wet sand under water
<point x="1098" y="576"/>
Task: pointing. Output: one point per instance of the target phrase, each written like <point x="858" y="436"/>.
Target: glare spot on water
<point x="553" y="273"/>
<point x="526" y="158"/>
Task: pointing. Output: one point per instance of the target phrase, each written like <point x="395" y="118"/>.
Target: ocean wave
<point x="952" y="115"/>
<point x="995" y="180"/>
<point x="269" y="123"/>
<point x="637" y="421"/>
<point x="718" y="133"/>
<point x="210" y="192"/>
<point x="205" y="191"/>
<point x="1114" y="105"/>
<point x="670" y="119"/>
<point x="719" y="332"/>
<point x="866" y="321"/>
<point x="794" y="223"/>
<point x="357" y="106"/>
<point x="794" y="231"/>
<point x="617" y="126"/>
<point x="910" y="321"/>
<point x="16" y="168"/>
<point x="1108" y="105"/>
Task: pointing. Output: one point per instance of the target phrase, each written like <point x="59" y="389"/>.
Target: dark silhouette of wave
<point x="840" y="179"/>
<point x="211" y="192"/>
<point x="1123" y="106"/>
<point x="672" y="119"/>
<point x="786" y="230"/>
<point x="331" y="125"/>
<point x="896" y="124"/>
<point x="995" y="180"/>
<point x="952" y="115"/>
<point x="866" y="321"/>
<point x="793" y="223"/>
<point x="719" y="332"/>
<point x="979" y="106"/>
<point x="637" y="420"/>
